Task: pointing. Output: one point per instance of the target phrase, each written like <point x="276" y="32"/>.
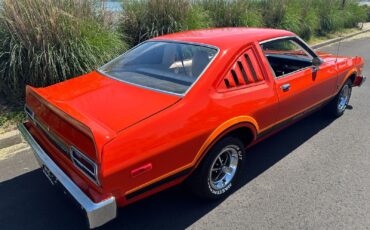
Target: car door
<point x="298" y="84"/>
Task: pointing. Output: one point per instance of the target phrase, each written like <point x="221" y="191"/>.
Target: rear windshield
<point x="167" y="66"/>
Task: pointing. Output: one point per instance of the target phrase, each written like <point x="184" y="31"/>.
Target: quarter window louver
<point x="251" y="67"/>
<point x="235" y="77"/>
<point x="242" y="70"/>
<point x="245" y="71"/>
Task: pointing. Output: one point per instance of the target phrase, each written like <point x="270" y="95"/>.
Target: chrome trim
<point x="159" y="90"/>
<point x="296" y="37"/>
<point x="78" y="165"/>
<point x="29" y="112"/>
<point x="54" y="138"/>
<point x="296" y="71"/>
<point x="277" y="38"/>
<point x="97" y="213"/>
<point x="63" y="147"/>
<point x="289" y="37"/>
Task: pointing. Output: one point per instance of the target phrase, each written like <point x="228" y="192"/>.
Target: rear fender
<point x="223" y="130"/>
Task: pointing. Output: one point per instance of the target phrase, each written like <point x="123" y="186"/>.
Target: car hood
<point x="110" y="103"/>
<point x="329" y="56"/>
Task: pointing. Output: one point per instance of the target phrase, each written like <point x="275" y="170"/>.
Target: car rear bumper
<point x="97" y="213"/>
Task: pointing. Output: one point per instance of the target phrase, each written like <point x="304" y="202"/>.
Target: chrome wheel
<point x="224" y="167"/>
<point x="343" y="99"/>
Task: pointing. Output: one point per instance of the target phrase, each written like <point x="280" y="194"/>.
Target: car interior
<point x="285" y="64"/>
<point x="286" y="56"/>
<point x="172" y="67"/>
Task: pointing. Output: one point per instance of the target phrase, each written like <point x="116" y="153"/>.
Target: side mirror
<point x="316" y="61"/>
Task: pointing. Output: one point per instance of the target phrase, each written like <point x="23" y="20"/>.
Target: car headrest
<point x="199" y="62"/>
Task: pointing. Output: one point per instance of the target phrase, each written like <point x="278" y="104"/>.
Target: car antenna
<point x="338" y="47"/>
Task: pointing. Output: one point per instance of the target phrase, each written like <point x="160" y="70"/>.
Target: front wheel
<point x="339" y="104"/>
<point x="219" y="171"/>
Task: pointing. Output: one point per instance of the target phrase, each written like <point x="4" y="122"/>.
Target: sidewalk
<point x="11" y="143"/>
<point x="365" y="28"/>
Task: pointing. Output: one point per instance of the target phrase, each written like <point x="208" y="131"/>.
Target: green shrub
<point x="309" y="19"/>
<point x="353" y="14"/>
<point x="291" y="17"/>
<point x="273" y="12"/>
<point x="298" y="16"/>
<point x="144" y="19"/>
<point x="197" y="18"/>
<point x="48" y="41"/>
<point x="334" y="16"/>
<point x="329" y="19"/>
<point x="232" y="13"/>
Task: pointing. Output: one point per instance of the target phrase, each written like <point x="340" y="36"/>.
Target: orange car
<point x="176" y="107"/>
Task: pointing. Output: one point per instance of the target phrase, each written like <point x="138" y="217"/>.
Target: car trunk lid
<point x="101" y="105"/>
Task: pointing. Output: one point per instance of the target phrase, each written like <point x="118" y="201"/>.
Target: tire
<point x="339" y="104"/>
<point x="213" y="181"/>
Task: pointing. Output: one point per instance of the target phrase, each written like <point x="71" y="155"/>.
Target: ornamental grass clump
<point x="144" y="19"/>
<point x="335" y="15"/>
<point x="232" y="13"/>
<point x="48" y="41"/>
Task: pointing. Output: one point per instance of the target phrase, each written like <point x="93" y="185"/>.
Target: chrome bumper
<point x="97" y="213"/>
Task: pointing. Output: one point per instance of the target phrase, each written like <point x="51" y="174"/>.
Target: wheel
<point x="339" y="104"/>
<point x="220" y="169"/>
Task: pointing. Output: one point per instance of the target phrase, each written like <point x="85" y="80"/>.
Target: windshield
<point x="167" y="66"/>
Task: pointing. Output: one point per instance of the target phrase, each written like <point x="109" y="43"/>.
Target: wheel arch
<point x="351" y="74"/>
<point x="245" y="128"/>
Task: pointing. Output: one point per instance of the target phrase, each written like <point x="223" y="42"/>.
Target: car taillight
<point x="85" y="164"/>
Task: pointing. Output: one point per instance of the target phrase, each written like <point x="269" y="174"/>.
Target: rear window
<point x="166" y="66"/>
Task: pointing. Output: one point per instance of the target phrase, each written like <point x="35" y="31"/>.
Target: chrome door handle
<point x="285" y="87"/>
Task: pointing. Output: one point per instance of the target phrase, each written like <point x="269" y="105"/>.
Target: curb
<point x="334" y="40"/>
<point x="12" y="150"/>
<point x="10" y="138"/>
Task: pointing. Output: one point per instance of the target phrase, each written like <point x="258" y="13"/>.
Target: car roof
<point x="225" y="38"/>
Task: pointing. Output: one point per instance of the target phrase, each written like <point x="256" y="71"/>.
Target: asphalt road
<point x="312" y="175"/>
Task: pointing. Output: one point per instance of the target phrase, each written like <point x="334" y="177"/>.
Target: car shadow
<point x="29" y="202"/>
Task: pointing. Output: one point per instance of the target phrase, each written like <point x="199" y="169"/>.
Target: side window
<point x="286" y="56"/>
<point x="245" y="71"/>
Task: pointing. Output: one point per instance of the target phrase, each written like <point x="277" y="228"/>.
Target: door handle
<point x="285" y="87"/>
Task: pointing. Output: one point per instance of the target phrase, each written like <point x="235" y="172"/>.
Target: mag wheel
<point x="223" y="168"/>
<point x="343" y="98"/>
<point x="219" y="171"/>
<point x="339" y="104"/>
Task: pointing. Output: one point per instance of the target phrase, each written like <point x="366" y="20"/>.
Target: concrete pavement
<point x="312" y="175"/>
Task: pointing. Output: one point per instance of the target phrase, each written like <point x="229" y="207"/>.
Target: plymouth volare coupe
<point x="183" y="106"/>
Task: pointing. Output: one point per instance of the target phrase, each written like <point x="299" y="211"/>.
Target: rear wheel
<point x="339" y="104"/>
<point x="219" y="171"/>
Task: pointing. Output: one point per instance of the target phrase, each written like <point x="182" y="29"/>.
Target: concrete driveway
<point x="313" y="175"/>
